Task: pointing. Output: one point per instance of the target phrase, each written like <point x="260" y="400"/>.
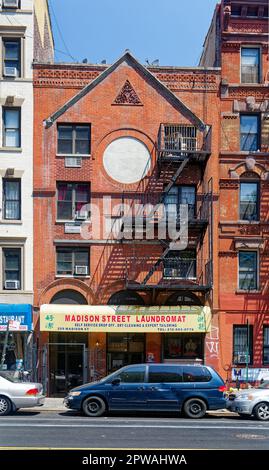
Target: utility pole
<point x="5" y="347"/>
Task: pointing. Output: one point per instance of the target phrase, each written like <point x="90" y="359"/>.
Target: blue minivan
<point x="191" y="389"/>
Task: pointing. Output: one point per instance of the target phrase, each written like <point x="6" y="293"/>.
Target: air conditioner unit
<point x="12" y="285"/>
<point x="81" y="215"/>
<point x="10" y="72"/>
<point x="10" y="3"/>
<point x="243" y="358"/>
<point x="81" y="270"/>
<point x="73" y="162"/>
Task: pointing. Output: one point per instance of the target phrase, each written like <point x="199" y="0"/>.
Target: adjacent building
<point x="25" y="33"/>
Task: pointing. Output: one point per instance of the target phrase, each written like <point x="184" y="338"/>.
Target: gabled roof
<point x="129" y="58"/>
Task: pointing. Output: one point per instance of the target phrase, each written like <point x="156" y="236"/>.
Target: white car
<point x="253" y="401"/>
<point x="15" y="394"/>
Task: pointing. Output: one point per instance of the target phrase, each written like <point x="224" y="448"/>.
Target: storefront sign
<point x="63" y="318"/>
<point x="18" y="316"/>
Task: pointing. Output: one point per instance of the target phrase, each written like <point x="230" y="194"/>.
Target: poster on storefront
<point x="64" y="318"/>
<point x="253" y="374"/>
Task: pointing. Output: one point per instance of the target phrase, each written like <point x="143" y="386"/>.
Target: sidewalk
<point x="56" y="405"/>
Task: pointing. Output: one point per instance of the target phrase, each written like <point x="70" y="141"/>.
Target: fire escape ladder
<point x="155" y="266"/>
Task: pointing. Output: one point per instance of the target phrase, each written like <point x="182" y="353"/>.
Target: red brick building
<point x="151" y="135"/>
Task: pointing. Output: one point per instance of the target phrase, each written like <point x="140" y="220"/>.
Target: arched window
<point x="69" y="297"/>
<point x="249" y="206"/>
<point x="183" y="299"/>
<point x="126" y="298"/>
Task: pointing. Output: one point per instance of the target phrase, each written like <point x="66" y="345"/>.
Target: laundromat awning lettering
<point x="83" y="318"/>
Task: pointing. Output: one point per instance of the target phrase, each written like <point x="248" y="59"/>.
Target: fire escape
<point x="179" y="147"/>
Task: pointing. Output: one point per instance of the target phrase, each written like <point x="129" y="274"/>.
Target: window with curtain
<point x="248" y="270"/>
<point x="249" y="132"/>
<point x="242" y="344"/>
<point x="11" y="199"/>
<point x="250" y="65"/>
<point x="71" y="197"/>
<point x="11" y="264"/>
<point x="11" y="127"/>
<point x="12" y="57"/>
<point x="249" y="201"/>
<point x="74" y="139"/>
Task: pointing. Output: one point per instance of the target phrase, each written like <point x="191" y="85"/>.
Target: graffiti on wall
<point x="212" y="343"/>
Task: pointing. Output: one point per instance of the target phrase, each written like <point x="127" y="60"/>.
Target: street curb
<point x="61" y="410"/>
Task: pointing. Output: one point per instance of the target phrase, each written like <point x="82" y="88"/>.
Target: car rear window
<point x="196" y="374"/>
<point x="161" y="374"/>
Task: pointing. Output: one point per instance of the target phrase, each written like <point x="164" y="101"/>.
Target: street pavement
<point x="67" y="429"/>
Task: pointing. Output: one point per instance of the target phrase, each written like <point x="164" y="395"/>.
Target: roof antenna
<point x="156" y="62"/>
<point x="85" y="61"/>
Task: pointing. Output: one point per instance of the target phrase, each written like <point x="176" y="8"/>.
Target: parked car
<point x="252" y="401"/>
<point x="15" y="394"/>
<point x="191" y="389"/>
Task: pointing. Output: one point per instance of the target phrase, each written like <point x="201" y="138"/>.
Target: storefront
<point x="87" y="342"/>
<point x="16" y="337"/>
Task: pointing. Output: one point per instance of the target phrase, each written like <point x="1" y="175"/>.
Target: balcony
<point x="178" y="141"/>
<point x="169" y="273"/>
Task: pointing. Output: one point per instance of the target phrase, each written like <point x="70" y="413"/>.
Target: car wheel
<point x="261" y="411"/>
<point x="94" y="407"/>
<point x="5" y="406"/>
<point x="195" y="408"/>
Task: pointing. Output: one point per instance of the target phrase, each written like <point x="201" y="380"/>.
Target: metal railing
<point x="183" y="139"/>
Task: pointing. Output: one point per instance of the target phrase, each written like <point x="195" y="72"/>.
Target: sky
<point x="172" y="31"/>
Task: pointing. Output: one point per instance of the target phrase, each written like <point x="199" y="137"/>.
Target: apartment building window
<point x="248" y="270"/>
<point x="11" y="199"/>
<point x="180" y="195"/>
<point x="11" y="58"/>
<point x="73" y="139"/>
<point x="71" y="197"/>
<point x="6" y="4"/>
<point x="180" y="264"/>
<point x="250" y="65"/>
<point x="249" y="132"/>
<point x="242" y="344"/>
<point x="266" y="345"/>
<point x="249" y="201"/>
<point x="11" y="127"/>
<point x="11" y="268"/>
<point x="72" y="261"/>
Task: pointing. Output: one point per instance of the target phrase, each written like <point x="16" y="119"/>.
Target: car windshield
<point x="9" y="377"/>
<point x="264" y="385"/>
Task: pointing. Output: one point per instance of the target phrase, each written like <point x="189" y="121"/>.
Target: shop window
<point x="11" y="199"/>
<point x="266" y="345"/>
<point x="162" y="374"/>
<point x="249" y="201"/>
<point x="11" y="268"/>
<point x="11" y="58"/>
<point x="74" y="139"/>
<point x="236" y="10"/>
<point x="196" y="374"/>
<point x="249" y="132"/>
<point x="180" y="264"/>
<point x="183" y="346"/>
<point x="11" y="127"/>
<point x="252" y="11"/>
<point x="132" y="375"/>
<point x="250" y="65"/>
<point x="243" y="344"/>
<point x="248" y="270"/>
<point x="72" y="261"/>
<point x="71" y="197"/>
<point x="177" y="196"/>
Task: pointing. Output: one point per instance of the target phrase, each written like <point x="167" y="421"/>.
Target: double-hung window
<point x="248" y="270"/>
<point x="249" y="132"/>
<point x="266" y="345"/>
<point x="250" y="65"/>
<point x="249" y="201"/>
<point x="242" y="344"/>
<point x="180" y="264"/>
<point x="74" y="139"/>
<point x="72" y="261"/>
<point x="177" y="196"/>
<point x="11" y="127"/>
<point x="71" y="197"/>
<point x="12" y="58"/>
<point x="11" y="199"/>
<point x="11" y="268"/>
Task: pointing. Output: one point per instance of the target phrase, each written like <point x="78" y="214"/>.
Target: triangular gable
<point x="128" y="57"/>
<point x="128" y="96"/>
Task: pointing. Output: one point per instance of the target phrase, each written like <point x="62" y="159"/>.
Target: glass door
<point x="66" y="367"/>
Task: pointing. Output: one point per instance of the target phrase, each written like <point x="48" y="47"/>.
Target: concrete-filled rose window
<point x="127" y="160"/>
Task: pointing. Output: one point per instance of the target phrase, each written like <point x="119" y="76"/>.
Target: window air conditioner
<point x="81" y="215"/>
<point x="243" y="358"/>
<point x="81" y="270"/>
<point x="10" y="72"/>
<point x="73" y="162"/>
<point x="10" y="3"/>
<point x="12" y="285"/>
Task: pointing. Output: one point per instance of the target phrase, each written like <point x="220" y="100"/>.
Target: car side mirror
<point x="116" y="381"/>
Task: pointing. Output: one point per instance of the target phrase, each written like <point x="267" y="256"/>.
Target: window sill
<point x="11" y="149"/>
<point x="68" y="276"/>
<point x="249" y="222"/>
<point x="73" y="155"/>
<point x="10" y="222"/>
<point x="254" y="291"/>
